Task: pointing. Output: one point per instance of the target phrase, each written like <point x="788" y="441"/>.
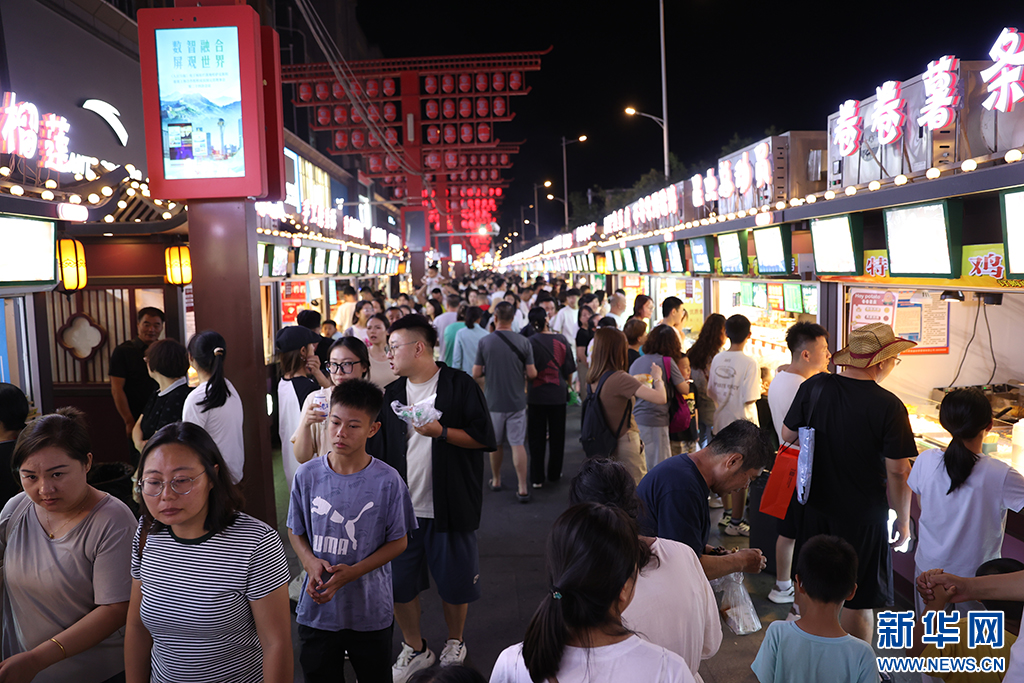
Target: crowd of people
<point x="385" y="414"/>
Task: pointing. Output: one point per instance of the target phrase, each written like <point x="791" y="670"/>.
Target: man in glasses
<point x="442" y="463"/>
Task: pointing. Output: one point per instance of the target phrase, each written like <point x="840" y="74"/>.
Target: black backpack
<point x="596" y="436"/>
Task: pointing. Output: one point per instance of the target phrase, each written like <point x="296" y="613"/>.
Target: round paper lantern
<point x="433" y="135"/>
<point x="323" y="115"/>
<point x="465" y="83"/>
<point x="481" y="82"/>
<point x="356" y="116"/>
<point x="399" y="192"/>
<point x="178" y="262"/>
<point x="373" y="112"/>
<point x="473" y="175"/>
<point x="494" y="160"/>
<point x="337" y="91"/>
<point x="431" y="109"/>
<point x="482" y="106"/>
<point x="472" y="160"/>
<point x="340" y="115"/>
<point x="323" y="91"/>
<point x="451" y="159"/>
<point x="497" y="191"/>
<point x="373" y="139"/>
<point x="515" y="80"/>
<point x="391" y="135"/>
<point x="388" y="85"/>
<point x="340" y="139"/>
<point x="498" y="81"/>
<point x="390" y="111"/>
<point x="390" y="163"/>
<point x="494" y="174"/>
<point x="450" y="135"/>
<point x="499" y="106"/>
<point x="430" y="85"/>
<point x="372" y="87"/>
<point x="463" y="160"/>
<point x="448" y="108"/>
<point x="71" y="265"/>
<point x="504" y="159"/>
<point x="466" y="132"/>
<point x="358" y="139"/>
<point x="433" y="160"/>
<point x="483" y="132"/>
<point x="355" y="87"/>
<point x="447" y="83"/>
<point x="375" y="163"/>
<point x="465" y="107"/>
<point x="305" y="92"/>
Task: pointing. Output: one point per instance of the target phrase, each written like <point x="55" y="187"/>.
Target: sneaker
<point x="454" y="653"/>
<point x="411" y="661"/>
<point x="781" y="597"/>
<point x="714" y="501"/>
<point x="726" y="518"/>
<point x="740" y="528"/>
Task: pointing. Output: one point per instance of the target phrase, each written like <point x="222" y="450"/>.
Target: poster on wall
<point x="925" y="321"/>
<point x="871" y="306"/>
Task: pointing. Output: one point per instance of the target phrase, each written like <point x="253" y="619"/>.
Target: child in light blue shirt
<point x="815" y="647"/>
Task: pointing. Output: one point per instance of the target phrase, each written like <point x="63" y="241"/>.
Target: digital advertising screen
<point x="1013" y="231"/>
<point x="810" y="299"/>
<point x="617" y="259"/>
<point x="732" y="247"/>
<point x="657" y="257"/>
<point x="922" y="241"/>
<point x="320" y="261"/>
<point x="28" y="251"/>
<point x="675" y="257"/>
<point x="641" y="259"/>
<point x="837" y="249"/>
<point x="759" y="294"/>
<point x="772" y="251"/>
<point x="346" y="263"/>
<point x="333" y="259"/>
<point x="793" y="297"/>
<point x="303" y="259"/>
<point x="279" y="265"/>
<point x="701" y="255"/>
<point x="627" y="260"/>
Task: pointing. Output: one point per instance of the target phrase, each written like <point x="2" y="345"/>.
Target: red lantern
<point x="451" y="159"/>
<point x="429" y="85"/>
<point x="388" y="179"/>
<point x="450" y="134"/>
<point x="463" y="160"/>
<point x="433" y="161"/>
<point x="356" y="117"/>
<point x="504" y="159"/>
<point x="473" y="175"/>
<point x="340" y="115"/>
<point x="494" y="160"/>
<point x="341" y="139"/>
<point x="431" y="109"/>
<point x="481" y="106"/>
<point x="305" y="92"/>
<point x="497" y="191"/>
<point x="515" y="80"/>
<point x="372" y="87"/>
<point x="466" y="132"/>
<point x="494" y="174"/>
<point x="481" y="82"/>
<point x="355" y="87"/>
<point x="390" y="163"/>
<point x="472" y="160"/>
<point x="323" y="115"/>
<point x="465" y="83"/>
<point x="498" y="81"/>
<point x="390" y="111"/>
<point x="399" y="192"/>
<point x="358" y="139"/>
<point x="433" y="135"/>
<point x="373" y="112"/>
<point x="391" y="135"/>
<point x="463" y="176"/>
<point x="449" y="109"/>
<point x="448" y="83"/>
<point x="373" y="139"/>
<point x="375" y="164"/>
<point x="337" y="91"/>
<point x="483" y="132"/>
<point x="465" y="107"/>
<point x="499" y="106"/>
<point x="323" y="91"/>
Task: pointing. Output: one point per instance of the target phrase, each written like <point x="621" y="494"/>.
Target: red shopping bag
<point x="781" y="483"/>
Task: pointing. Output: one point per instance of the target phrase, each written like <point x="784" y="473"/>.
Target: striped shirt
<point x="195" y="600"/>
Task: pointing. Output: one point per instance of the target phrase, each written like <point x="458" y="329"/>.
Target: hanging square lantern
<point x="178" y="260"/>
<point x="71" y="264"/>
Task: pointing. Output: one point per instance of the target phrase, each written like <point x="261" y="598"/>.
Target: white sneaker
<point x="714" y="501"/>
<point x="740" y="528"/>
<point x="410" y="661"/>
<point x="454" y="653"/>
<point x="781" y="597"/>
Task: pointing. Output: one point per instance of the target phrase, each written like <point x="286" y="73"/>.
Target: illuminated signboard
<point x="657" y="257"/>
<point x="24" y="133"/>
<point x="333" y="259"/>
<point x="320" y="261"/>
<point x="279" y="265"/>
<point x="732" y="246"/>
<point x="627" y="260"/>
<point x="1013" y="231"/>
<point x="261" y="256"/>
<point x="838" y="245"/>
<point x="302" y="261"/>
<point x="28" y="251"/>
<point x="700" y="255"/>
<point x="457" y="253"/>
<point x="378" y="236"/>
<point x="1005" y="78"/>
<point x="641" y="260"/>
<point x="591" y="263"/>
<point x="773" y="250"/>
<point x="924" y="239"/>
<point x="346" y="263"/>
<point x="617" y="260"/>
<point x="660" y="209"/>
<point x="793" y="297"/>
<point x="675" y="257"/>
<point x="394" y="241"/>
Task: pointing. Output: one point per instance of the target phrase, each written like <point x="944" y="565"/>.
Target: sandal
<point x="523" y="498"/>
<point x="490" y="485"/>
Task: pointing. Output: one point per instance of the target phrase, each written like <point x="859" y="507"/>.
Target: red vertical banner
<point x="273" y="111"/>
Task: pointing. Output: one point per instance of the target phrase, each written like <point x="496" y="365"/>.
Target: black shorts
<point x="790" y="526"/>
<point x="452" y="558"/>
<point x="874" y="561"/>
<point x="322" y="654"/>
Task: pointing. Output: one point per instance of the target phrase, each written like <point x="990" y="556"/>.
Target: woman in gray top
<point x="662" y="348"/>
<point x="66" y="552"/>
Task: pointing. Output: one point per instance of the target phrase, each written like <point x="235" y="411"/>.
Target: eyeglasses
<point x="180" y="485"/>
<point x="389" y="349"/>
<point x="344" y="367"/>
<point x="898" y="360"/>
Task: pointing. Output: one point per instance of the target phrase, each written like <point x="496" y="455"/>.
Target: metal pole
<point x="536" y="214"/>
<point x="664" y="92"/>
<point x="565" y="183"/>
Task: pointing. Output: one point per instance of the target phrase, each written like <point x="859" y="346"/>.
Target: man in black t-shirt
<point x="862" y="443"/>
<point x="310" y="319"/>
<point x="130" y="383"/>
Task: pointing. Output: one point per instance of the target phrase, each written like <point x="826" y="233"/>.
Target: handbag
<point x="778" y="492"/>
<point x="805" y="461"/>
<point x="678" y="410"/>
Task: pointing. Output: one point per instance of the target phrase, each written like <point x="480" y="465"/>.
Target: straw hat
<point x="870" y="345"/>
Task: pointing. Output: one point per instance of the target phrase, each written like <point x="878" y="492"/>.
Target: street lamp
<point x="536" y="210"/>
<point x="565" y="175"/>
<point x="664" y="127"/>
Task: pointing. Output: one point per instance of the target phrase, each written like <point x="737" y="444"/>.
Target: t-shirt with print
<point x="616" y="394"/>
<point x="858" y="426"/>
<point x="781" y="393"/>
<point x="420" y="453"/>
<point x="505" y="388"/>
<point x="346" y="518"/>
<point x="790" y="655"/>
<point x="734" y="383"/>
<point x="675" y="503"/>
<point x="647" y="413"/>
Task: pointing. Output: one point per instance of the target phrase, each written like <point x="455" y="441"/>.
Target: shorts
<point x="790" y="526"/>
<point x="512" y="425"/>
<point x="452" y="558"/>
<point x="322" y="654"/>
<point x="874" y="561"/>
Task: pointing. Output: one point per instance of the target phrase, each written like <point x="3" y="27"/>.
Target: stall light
<point x="178" y="261"/>
<point x="135" y="184"/>
<point x="122" y="204"/>
<point x="50" y="184"/>
<point x="851" y="190"/>
<point x="932" y="173"/>
<point x="108" y="218"/>
<point x="811" y="199"/>
<point x="1013" y="155"/>
<point x="130" y="168"/>
<point x="166" y="215"/>
<point x="74" y="199"/>
<point x="47" y="195"/>
<point x="4" y="171"/>
<point x="108" y="234"/>
<point x="90" y="175"/>
<point x="106" y="191"/>
<point x="145" y="192"/>
<point x="969" y="165"/>
<point x="829" y="194"/>
<point x="17" y="190"/>
<point x="71" y="261"/>
<point x="130" y="192"/>
<point x="158" y="202"/>
<point x="78" y="176"/>
<point x="171" y="205"/>
<point x="900" y="180"/>
<point x="93" y="198"/>
<point x="874" y="185"/>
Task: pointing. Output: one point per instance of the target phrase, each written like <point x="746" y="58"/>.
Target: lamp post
<point x="535" y="207"/>
<point x="664" y="127"/>
<point x="565" y="175"/>
<point x="664" y="89"/>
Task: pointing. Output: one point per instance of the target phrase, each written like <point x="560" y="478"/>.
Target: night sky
<point x="733" y="67"/>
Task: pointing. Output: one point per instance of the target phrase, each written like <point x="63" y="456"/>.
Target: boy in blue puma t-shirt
<point x="349" y="516"/>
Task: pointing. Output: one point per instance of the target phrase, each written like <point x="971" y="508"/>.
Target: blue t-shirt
<point x="346" y="518"/>
<point x="790" y="655"/>
<point x="675" y="498"/>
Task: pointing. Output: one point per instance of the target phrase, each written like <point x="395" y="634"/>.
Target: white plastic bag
<point x="735" y="604"/>
<point x="805" y="464"/>
<point x="418" y="414"/>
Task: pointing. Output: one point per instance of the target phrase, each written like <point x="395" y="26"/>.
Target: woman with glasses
<point x="348" y="360"/>
<point x="64" y="548"/>
<point x="209" y="597"/>
<point x="381" y="372"/>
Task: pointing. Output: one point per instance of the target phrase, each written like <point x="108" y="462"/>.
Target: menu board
<point x="675" y="257"/>
<point x="837" y="247"/>
<point x="617" y="261"/>
<point x="333" y="257"/>
<point x="760" y="295"/>
<point x="303" y="260"/>
<point x="592" y="263"/>
<point x="279" y="265"/>
<point x="746" y="294"/>
<point x="772" y="250"/>
<point x="700" y="253"/>
<point x="921" y="242"/>
<point x="319" y="261"/>
<point x="776" y="301"/>
<point x="792" y="296"/>
<point x="641" y="260"/>
<point x="346" y="263"/>
<point x="657" y="258"/>
<point x="627" y="260"/>
<point x="261" y="257"/>
<point x="810" y="297"/>
<point x="733" y="252"/>
<point x="28" y="251"/>
<point x="1013" y="231"/>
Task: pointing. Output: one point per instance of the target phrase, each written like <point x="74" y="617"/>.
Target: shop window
<point x="14" y="356"/>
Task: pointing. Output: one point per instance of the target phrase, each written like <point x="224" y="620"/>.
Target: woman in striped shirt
<point x="209" y="595"/>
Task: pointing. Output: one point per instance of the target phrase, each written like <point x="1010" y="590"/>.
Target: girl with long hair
<point x="546" y="399"/>
<point x="364" y="311"/>
<point x="662" y="349"/>
<point x="215" y="404"/>
<point x="300" y="375"/>
<point x="594" y="554"/>
<point x="643" y="309"/>
<point x="209" y="595"/>
<point x="467" y="340"/>
<point x="616" y="396"/>
<point x="710" y="341"/>
<point x="964" y="493"/>
<point x="381" y="373"/>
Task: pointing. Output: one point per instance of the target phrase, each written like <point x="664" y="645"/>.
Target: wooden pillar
<point x="226" y="288"/>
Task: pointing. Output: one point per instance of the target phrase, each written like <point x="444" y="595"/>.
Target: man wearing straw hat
<point x="863" y="441"/>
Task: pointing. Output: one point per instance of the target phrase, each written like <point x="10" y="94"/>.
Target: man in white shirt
<point x="447" y="318"/>
<point x="498" y="293"/>
<point x="808" y="345"/>
<point x="566" y="321"/>
<point x="617" y="309"/>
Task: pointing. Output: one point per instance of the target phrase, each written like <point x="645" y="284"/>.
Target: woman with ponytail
<point x="594" y="555"/>
<point x="964" y="493"/>
<point x="215" y="405"/>
<point x="546" y="396"/>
